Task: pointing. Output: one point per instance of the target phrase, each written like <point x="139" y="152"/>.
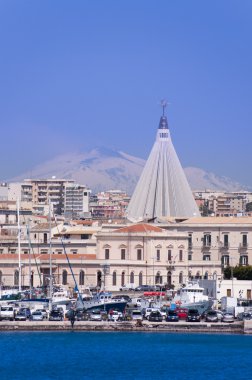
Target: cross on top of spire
<point x="164" y="104"/>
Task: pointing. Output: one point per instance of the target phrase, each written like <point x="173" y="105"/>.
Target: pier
<point x="181" y="327"/>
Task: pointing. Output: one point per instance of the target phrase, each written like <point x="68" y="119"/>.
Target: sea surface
<point x="124" y="355"/>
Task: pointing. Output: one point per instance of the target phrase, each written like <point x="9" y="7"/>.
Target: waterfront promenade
<point x="181" y="326"/>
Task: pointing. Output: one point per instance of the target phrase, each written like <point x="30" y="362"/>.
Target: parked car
<point x="20" y="316"/>
<point x="211" y="316"/>
<point x="95" y="315"/>
<point x="244" y="316"/>
<point x="115" y="316"/>
<point x="155" y="316"/>
<point x="228" y="318"/>
<point x="37" y="316"/>
<point x="127" y="287"/>
<point x="193" y="315"/>
<point x="182" y="313"/>
<point x="44" y="313"/>
<point x="144" y="288"/>
<point x="172" y="316"/>
<point x="136" y="315"/>
<point x="6" y="313"/>
<point x="55" y="315"/>
<point x="148" y="311"/>
<point x="26" y="311"/>
<point x="82" y="316"/>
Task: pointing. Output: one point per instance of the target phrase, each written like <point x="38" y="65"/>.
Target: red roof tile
<point x="139" y="228"/>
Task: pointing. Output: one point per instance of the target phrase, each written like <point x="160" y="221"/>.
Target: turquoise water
<point x="99" y="355"/>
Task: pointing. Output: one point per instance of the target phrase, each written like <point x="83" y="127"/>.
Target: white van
<point x="6" y="313"/>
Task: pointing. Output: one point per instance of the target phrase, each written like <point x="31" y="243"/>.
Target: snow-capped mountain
<point x="105" y="169"/>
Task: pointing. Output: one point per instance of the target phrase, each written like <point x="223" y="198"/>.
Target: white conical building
<point x="162" y="190"/>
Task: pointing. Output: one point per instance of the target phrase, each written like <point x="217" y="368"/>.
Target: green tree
<point x="249" y="207"/>
<point x="239" y="272"/>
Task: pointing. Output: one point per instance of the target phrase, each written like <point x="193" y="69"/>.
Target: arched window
<point x="215" y="276"/>
<point x="114" y="278"/>
<point x="198" y="276"/>
<point x="123" y="279"/>
<point x="190" y="275"/>
<point x="169" y="278"/>
<point x="181" y="277"/>
<point x="140" y="278"/>
<point x="45" y="238"/>
<point x="82" y="277"/>
<point x="32" y="278"/>
<point x="158" y="278"/>
<point x="99" y="278"/>
<point x="132" y="278"/>
<point x="16" y="278"/>
<point x="206" y="276"/>
<point x="64" y="277"/>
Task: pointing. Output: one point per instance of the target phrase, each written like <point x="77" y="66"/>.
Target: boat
<point x="100" y="301"/>
<point x="192" y="296"/>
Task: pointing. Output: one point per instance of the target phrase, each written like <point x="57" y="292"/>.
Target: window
<point x="45" y="238"/>
<point x="225" y="260"/>
<point x="169" y="278"/>
<point x="140" y="278"/>
<point x="84" y="236"/>
<point x="206" y="276"/>
<point x="123" y="254"/>
<point x="16" y="278"/>
<point x="139" y="254"/>
<point x="123" y="279"/>
<point x="74" y="252"/>
<point x="206" y="257"/>
<point x="1" y="251"/>
<point x="225" y="241"/>
<point x="106" y="254"/>
<point x="1" y="277"/>
<point x="190" y="241"/>
<point x="180" y="255"/>
<point x="244" y="260"/>
<point x="158" y="254"/>
<point x="158" y="278"/>
<point x="81" y="278"/>
<point x="207" y="240"/>
<point x="244" y="241"/>
<point x="190" y="256"/>
<point x="132" y="278"/>
<point x="181" y="277"/>
<point x="64" y="277"/>
<point x="114" y="279"/>
<point x="169" y="254"/>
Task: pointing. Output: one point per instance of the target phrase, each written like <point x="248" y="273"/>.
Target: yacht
<point x="101" y="301"/>
<point x="192" y="297"/>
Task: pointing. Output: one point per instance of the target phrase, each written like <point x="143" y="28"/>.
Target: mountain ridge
<point x="104" y="169"/>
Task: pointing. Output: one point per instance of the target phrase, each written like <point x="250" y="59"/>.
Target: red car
<point x="182" y="312"/>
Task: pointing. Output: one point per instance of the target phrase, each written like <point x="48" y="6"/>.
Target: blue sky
<point x="80" y="74"/>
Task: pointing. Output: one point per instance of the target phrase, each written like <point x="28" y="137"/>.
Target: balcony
<point x="206" y="246"/>
<point x="224" y="245"/>
<point x="243" y="247"/>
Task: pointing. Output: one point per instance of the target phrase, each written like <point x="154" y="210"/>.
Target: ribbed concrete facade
<point x="162" y="189"/>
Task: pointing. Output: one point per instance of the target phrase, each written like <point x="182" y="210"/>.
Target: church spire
<point x="162" y="190"/>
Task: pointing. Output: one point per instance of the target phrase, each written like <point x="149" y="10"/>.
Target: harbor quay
<point x="238" y="327"/>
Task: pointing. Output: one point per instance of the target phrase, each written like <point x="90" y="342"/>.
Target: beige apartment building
<point x="170" y="252"/>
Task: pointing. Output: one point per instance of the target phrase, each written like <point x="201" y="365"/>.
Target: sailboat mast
<point x="50" y="249"/>
<point x="19" y="251"/>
